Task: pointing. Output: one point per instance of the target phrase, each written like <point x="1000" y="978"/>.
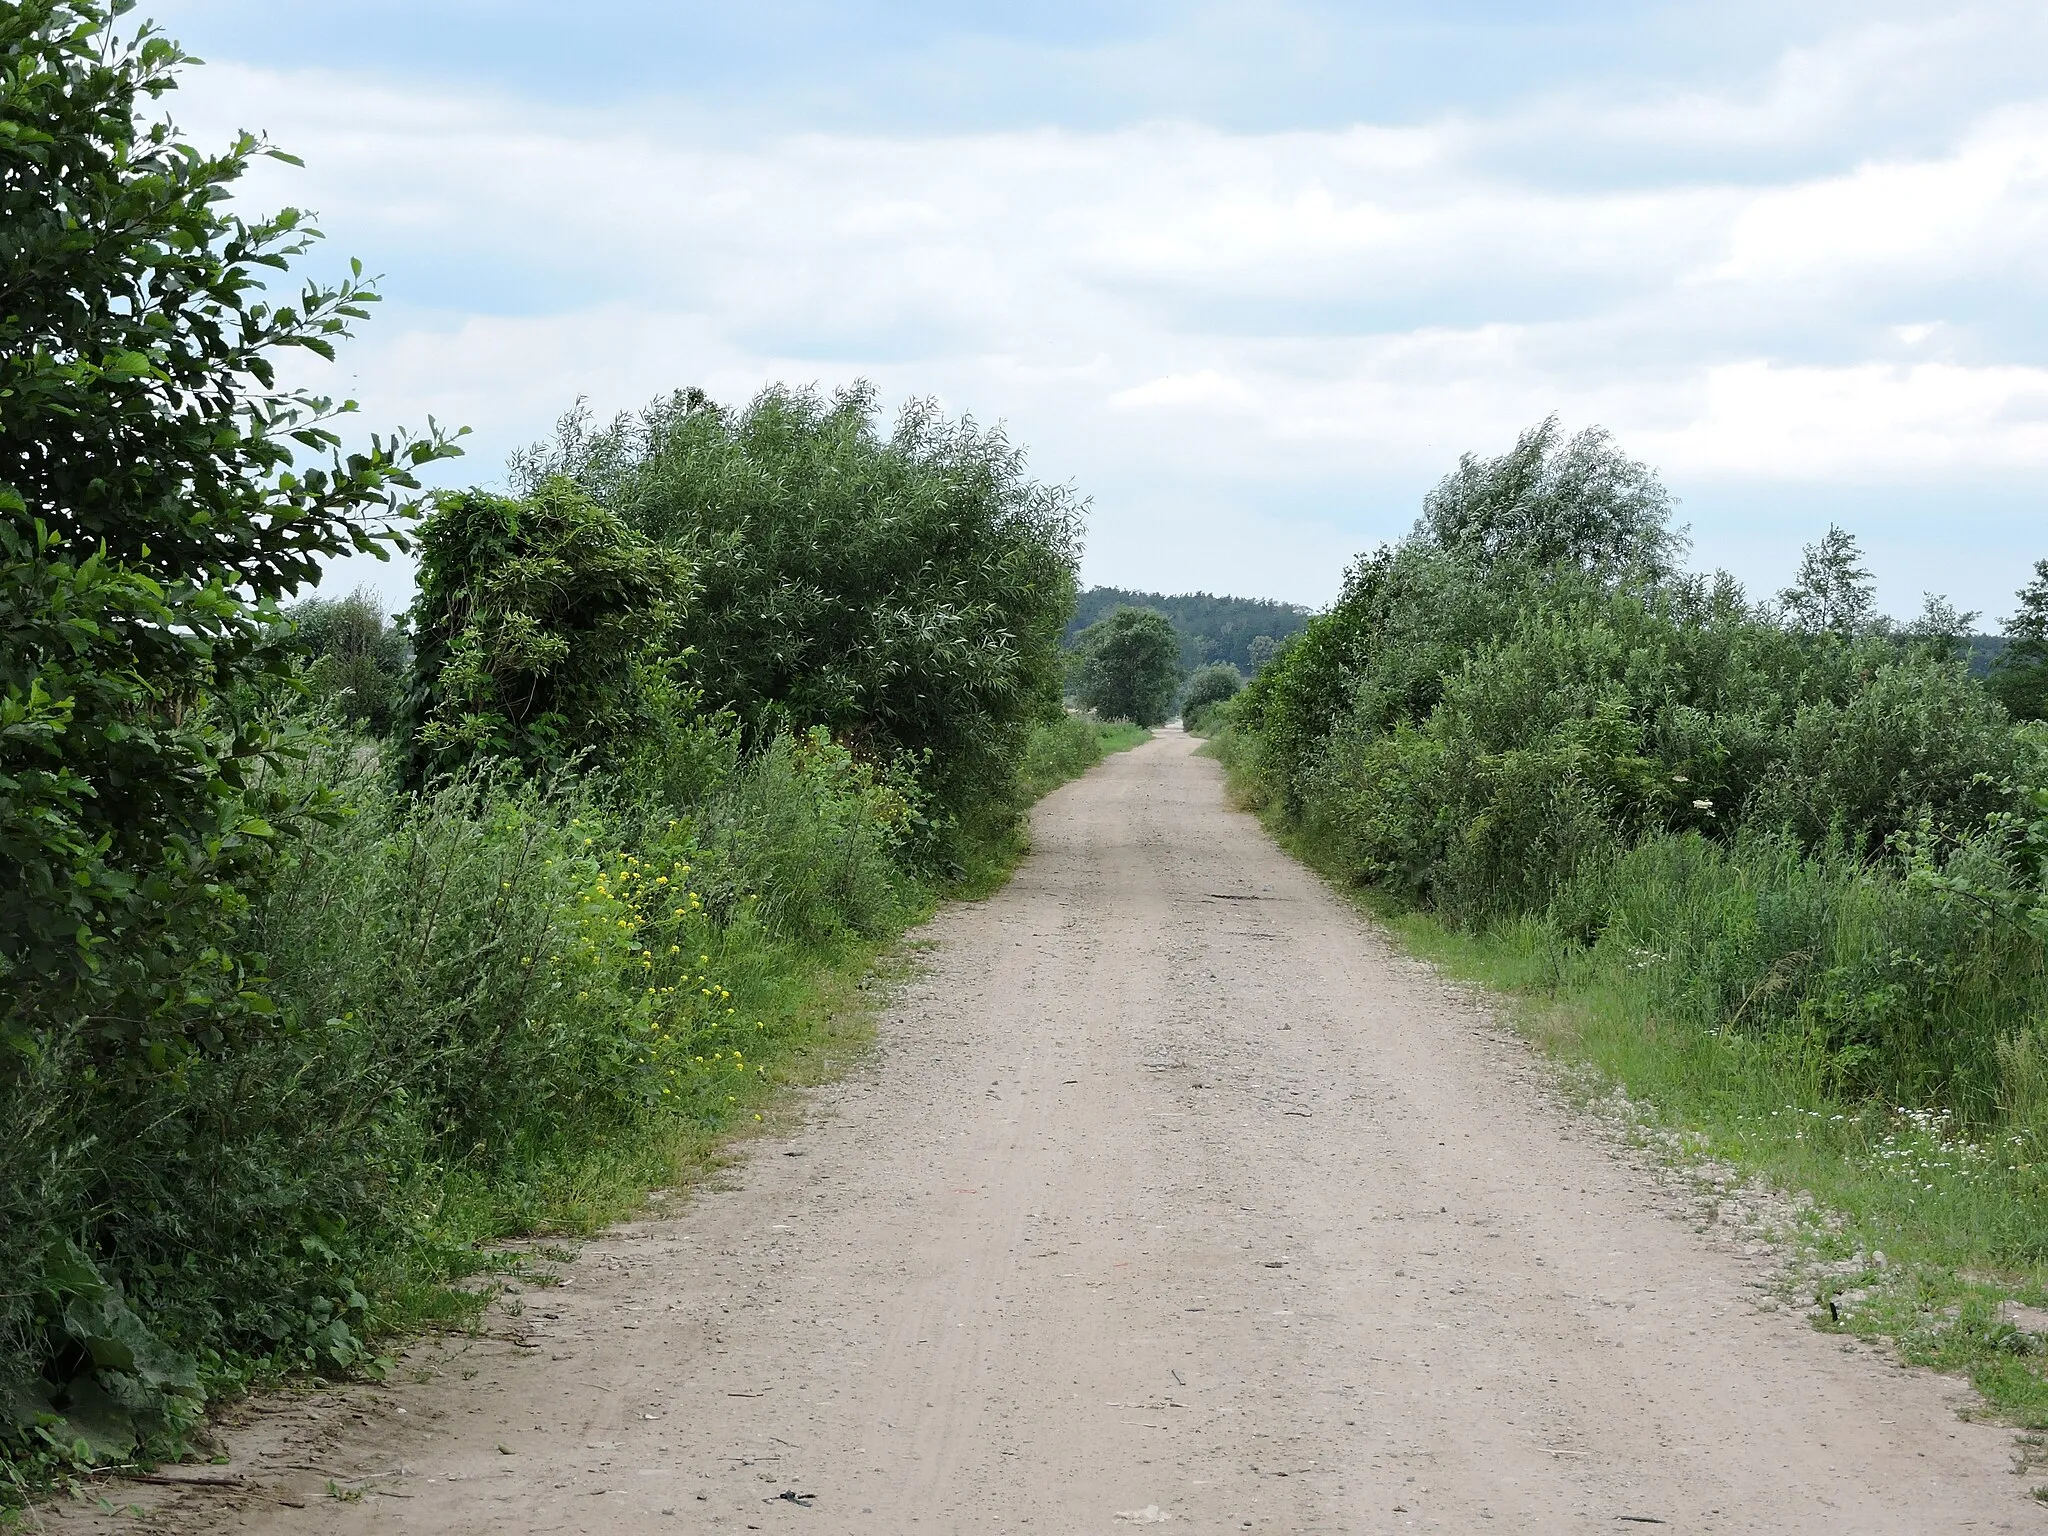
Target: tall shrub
<point x="905" y="590"/>
<point x="543" y="628"/>
<point x="158" y="492"/>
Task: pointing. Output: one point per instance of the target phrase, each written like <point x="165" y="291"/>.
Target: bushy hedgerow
<point x="1523" y="712"/>
<point x="471" y="983"/>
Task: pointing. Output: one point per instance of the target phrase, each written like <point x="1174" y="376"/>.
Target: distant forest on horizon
<point x="1211" y="628"/>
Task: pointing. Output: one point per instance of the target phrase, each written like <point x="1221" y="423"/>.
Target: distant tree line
<point x="1243" y="631"/>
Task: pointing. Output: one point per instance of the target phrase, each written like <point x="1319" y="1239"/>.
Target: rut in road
<point x="1171" y="1194"/>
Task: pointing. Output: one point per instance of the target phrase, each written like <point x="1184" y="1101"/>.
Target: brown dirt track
<point x="1172" y="1195"/>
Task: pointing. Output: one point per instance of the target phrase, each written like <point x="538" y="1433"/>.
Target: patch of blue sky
<point x="926" y="66"/>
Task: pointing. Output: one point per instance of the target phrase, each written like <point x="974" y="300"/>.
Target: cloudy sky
<point x="1250" y="275"/>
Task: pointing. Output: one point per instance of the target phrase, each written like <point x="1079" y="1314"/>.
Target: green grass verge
<point x="1922" y="1237"/>
<point x="1068" y="747"/>
<point x="817" y="1010"/>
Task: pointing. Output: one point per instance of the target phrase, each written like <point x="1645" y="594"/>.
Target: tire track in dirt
<point x="1172" y="1193"/>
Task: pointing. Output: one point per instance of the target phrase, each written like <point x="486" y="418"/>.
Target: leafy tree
<point x="1127" y="666"/>
<point x="1832" y="593"/>
<point x="1543" y="503"/>
<point x="2019" y="677"/>
<point x="906" y="591"/>
<point x="1940" y="626"/>
<point x="1210" y="686"/>
<point x="358" y="658"/>
<point x="542" y="629"/>
<point x="159" y="491"/>
<point x="1259" y="652"/>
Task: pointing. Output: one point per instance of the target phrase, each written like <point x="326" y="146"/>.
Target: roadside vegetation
<point x="1072" y="745"/>
<point x="334" y="951"/>
<point x="1776" y="866"/>
<point x="1212" y="687"/>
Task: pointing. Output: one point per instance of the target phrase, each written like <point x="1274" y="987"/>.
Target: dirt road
<point x="1171" y="1196"/>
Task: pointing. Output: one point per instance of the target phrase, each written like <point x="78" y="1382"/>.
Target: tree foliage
<point x="356" y="658"/>
<point x="543" y="629"/>
<point x="159" y="491"/>
<point x="1239" y="630"/>
<point x="1127" y="666"/>
<point x="1469" y="726"/>
<point x="906" y="591"/>
<point x="1544" y="504"/>
<point x="1795" y="831"/>
<point x="1209" y="686"/>
<point x="2019" y="677"/>
<point x="1832" y="593"/>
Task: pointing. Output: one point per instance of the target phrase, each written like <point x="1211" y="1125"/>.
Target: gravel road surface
<point x="1171" y="1196"/>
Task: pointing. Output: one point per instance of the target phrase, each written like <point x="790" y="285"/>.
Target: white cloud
<point x="1861" y="424"/>
<point x="1204" y="388"/>
<point x="1292" y="329"/>
<point x="1976" y="208"/>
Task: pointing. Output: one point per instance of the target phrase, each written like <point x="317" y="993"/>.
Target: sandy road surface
<point x="1172" y="1196"/>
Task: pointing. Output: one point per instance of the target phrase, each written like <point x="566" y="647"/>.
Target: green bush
<point x="1798" y="820"/>
<point x="472" y="983"/>
<point x="356" y="660"/>
<point x="543" y="629"/>
<point x="1869" y="983"/>
<point x="904" y="591"/>
<point x="1068" y="747"/>
<point x="1214" y="684"/>
<point x="813" y="835"/>
<point x="158" y="494"/>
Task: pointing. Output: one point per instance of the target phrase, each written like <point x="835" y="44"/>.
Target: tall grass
<point x="1068" y="747"/>
<point x="482" y="993"/>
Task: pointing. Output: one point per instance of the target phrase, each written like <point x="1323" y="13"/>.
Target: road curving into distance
<point x="1171" y="1196"/>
